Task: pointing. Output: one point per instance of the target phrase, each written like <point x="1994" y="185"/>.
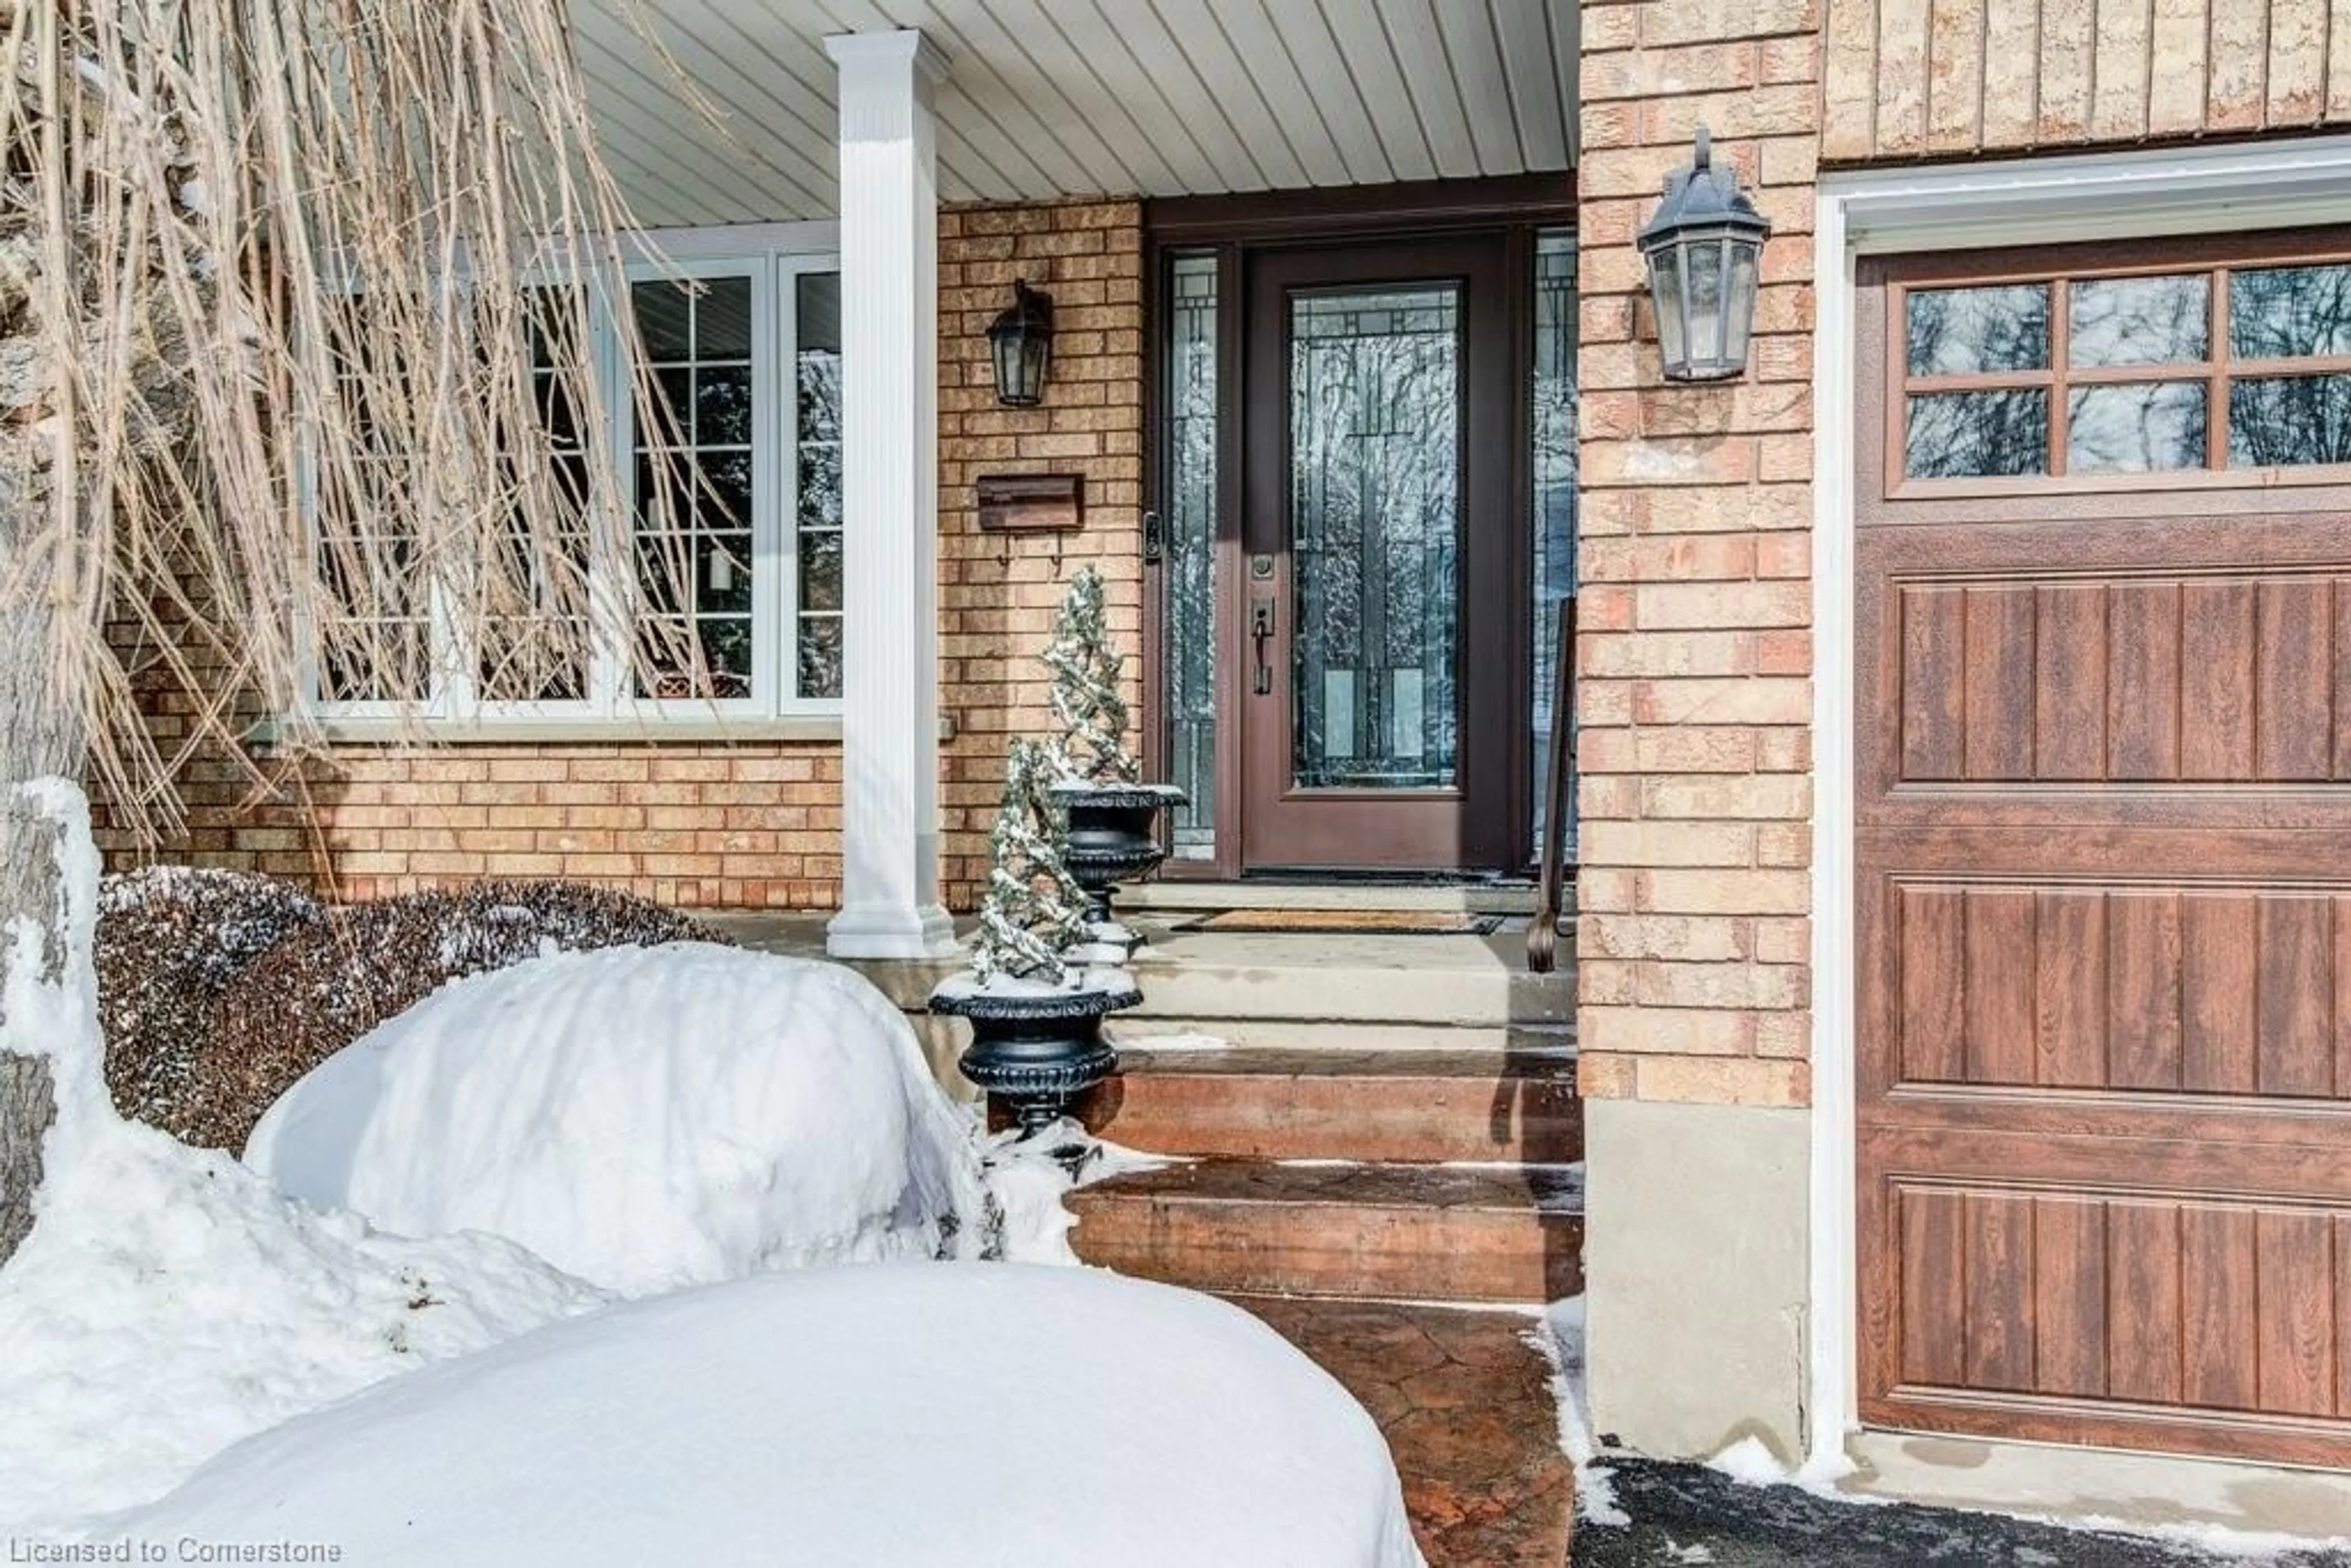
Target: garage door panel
<point x="2219" y="679"/>
<point x="2057" y="982"/>
<point x="2152" y="1300"/>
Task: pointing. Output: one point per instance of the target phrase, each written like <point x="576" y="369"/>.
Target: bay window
<point x="727" y="601"/>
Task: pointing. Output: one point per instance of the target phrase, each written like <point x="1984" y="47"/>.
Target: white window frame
<point x="774" y="256"/>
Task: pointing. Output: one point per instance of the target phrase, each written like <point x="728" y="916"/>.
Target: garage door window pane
<point x="2140" y="427"/>
<point x="1979" y="434"/>
<point x="2289" y="312"/>
<point x="2289" y="421"/>
<point x="1970" y="332"/>
<point x="2138" y="321"/>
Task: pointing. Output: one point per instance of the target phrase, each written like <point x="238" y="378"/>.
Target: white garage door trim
<point x="2303" y="180"/>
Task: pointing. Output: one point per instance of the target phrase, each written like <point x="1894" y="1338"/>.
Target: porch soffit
<point x="1071" y="98"/>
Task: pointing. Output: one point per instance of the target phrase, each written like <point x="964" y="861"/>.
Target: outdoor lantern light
<point x="1021" y="343"/>
<point x="1704" y="247"/>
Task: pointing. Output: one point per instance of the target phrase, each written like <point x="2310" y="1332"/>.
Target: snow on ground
<point x="167" y="1303"/>
<point x="1028" y="1178"/>
<point x="645" y="1118"/>
<point x="897" y="1416"/>
<point x="1561" y="1340"/>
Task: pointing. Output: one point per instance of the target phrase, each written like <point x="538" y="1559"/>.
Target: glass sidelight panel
<point x="1191" y="500"/>
<point x="1375" y="536"/>
<point x="1555" y="489"/>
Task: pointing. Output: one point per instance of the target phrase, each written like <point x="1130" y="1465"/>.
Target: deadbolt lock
<point x="1261" y="568"/>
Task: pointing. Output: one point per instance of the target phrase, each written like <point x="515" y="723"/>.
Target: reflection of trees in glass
<point x="1554" y="485"/>
<point x="816" y="635"/>
<point x="1967" y="332"/>
<point x="2289" y="420"/>
<point x="2137" y="427"/>
<point x="1375" y="518"/>
<point x="1191" y="536"/>
<point x="2285" y="312"/>
<point x="2138" y="320"/>
<point x="1957" y="435"/>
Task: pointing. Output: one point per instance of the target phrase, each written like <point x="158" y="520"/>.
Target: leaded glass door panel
<point x="1378" y="634"/>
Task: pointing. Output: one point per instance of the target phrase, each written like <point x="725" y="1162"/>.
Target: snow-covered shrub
<point x="169" y="940"/>
<point x="329" y="984"/>
<point x="978" y="1416"/>
<point x="643" y="1117"/>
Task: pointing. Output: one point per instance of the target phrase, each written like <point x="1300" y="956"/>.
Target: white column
<point x="890" y="499"/>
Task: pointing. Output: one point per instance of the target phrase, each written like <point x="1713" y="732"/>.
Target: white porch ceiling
<point x="1052" y="98"/>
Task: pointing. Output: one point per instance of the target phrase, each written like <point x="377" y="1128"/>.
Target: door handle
<point x="1261" y="634"/>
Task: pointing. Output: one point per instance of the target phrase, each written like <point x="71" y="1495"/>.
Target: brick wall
<point x="1907" y="79"/>
<point x="1695" y="652"/>
<point x="997" y="594"/>
<point x="758" y="825"/>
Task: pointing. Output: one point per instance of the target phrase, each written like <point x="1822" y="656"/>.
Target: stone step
<point x="1367" y="977"/>
<point x="1465" y="1401"/>
<point x="1331" y="1103"/>
<point x="1145" y="1030"/>
<point x="1178" y="897"/>
<point x="1393" y="1232"/>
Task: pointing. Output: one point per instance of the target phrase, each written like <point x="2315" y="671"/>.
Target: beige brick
<point x="1685" y="1081"/>
<point x="1849" y="97"/>
<point x="1677" y="606"/>
<point x="2174" y="105"/>
<point x="1684" y="938"/>
<point x="2068" y="57"/>
<point x="1764" y="796"/>
<point x="1722" y="892"/>
<point x="2120" y="71"/>
<point x="1672" y="1031"/>
<point x="1749" y="986"/>
<point x="2297" y="69"/>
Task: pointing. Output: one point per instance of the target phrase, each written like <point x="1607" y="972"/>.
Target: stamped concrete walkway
<point x="1465" y="1404"/>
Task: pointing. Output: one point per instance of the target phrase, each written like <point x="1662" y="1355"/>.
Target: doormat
<point x="1348" y="922"/>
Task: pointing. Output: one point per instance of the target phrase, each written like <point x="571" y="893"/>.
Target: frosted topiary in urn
<point x="1113" y="816"/>
<point x="1086" y="671"/>
<point x="1034" y="909"/>
<point x="1035" y="993"/>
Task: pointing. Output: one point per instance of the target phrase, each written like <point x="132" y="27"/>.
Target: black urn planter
<point x="1113" y="838"/>
<point x="1038" y="1048"/>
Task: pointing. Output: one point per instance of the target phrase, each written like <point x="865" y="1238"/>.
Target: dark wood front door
<point x="1377" y="593"/>
<point x="2104" y="797"/>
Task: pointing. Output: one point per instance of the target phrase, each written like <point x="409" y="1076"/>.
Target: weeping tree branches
<point x="295" y="299"/>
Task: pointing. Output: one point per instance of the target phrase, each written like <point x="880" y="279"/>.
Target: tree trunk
<point x="42" y="734"/>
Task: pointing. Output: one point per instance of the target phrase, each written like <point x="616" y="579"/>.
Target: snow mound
<point x="645" y="1118"/>
<point x="168" y="1304"/>
<point x="893" y="1416"/>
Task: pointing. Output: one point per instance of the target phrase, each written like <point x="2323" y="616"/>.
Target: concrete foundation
<point x="1696" y="1270"/>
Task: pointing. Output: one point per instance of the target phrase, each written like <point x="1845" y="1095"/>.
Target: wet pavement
<point x="1684" y="1515"/>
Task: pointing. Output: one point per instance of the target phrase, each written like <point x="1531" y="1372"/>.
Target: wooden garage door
<point x="2103" y="794"/>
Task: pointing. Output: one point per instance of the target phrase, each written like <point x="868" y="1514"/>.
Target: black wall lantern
<point x="1704" y="248"/>
<point x="1020" y="341"/>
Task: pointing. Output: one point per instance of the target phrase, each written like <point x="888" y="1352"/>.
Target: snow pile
<point x="328" y="984"/>
<point x="1027" y="1178"/>
<point x="1561" y="1339"/>
<point x="896" y="1416"/>
<point x="645" y="1118"/>
<point x="167" y="1303"/>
